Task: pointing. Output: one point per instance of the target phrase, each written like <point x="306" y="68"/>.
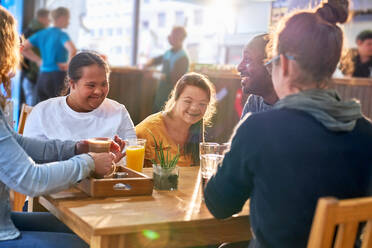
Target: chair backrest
<point x="25" y="111"/>
<point x="18" y="199"/>
<point x="344" y="214"/>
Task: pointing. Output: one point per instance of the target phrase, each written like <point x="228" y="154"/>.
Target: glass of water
<point x="211" y="155"/>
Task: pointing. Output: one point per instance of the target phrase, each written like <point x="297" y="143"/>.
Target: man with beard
<point x="255" y="78"/>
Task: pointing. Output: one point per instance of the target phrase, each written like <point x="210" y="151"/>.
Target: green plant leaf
<point x="165" y="161"/>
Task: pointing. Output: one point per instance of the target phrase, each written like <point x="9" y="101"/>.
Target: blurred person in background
<point x="175" y="63"/>
<point x="358" y="62"/>
<point x="56" y="50"/>
<point x="30" y="69"/>
<point x="28" y="165"/>
<point x="310" y="145"/>
<point x="255" y="78"/>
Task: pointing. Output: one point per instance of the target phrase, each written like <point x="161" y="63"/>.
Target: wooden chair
<point x="25" y="111"/>
<point x="344" y="214"/>
<point x="18" y="199"/>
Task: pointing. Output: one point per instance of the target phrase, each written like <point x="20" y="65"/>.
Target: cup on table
<point x="99" y="145"/>
<point x="135" y="150"/>
<point x="211" y="155"/>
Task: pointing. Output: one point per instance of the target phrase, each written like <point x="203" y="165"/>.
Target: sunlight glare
<point x="221" y="17"/>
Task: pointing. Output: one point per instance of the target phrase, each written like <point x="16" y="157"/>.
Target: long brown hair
<point x="314" y="39"/>
<point x="9" y="51"/>
<point x="196" y="132"/>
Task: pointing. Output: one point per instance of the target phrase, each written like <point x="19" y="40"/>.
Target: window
<point x="119" y="31"/>
<point x="198" y="17"/>
<point x="109" y="31"/>
<point x="161" y="20"/>
<point x="180" y="18"/>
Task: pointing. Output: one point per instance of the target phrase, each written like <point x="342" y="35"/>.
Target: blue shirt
<point x="284" y="160"/>
<point x="20" y="172"/>
<point x="255" y="104"/>
<point x="50" y="42"/>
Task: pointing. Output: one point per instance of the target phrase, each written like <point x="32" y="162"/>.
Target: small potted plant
<point x="165" y="170"/>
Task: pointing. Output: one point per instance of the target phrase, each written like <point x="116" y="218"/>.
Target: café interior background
<point x="217" y="29"/>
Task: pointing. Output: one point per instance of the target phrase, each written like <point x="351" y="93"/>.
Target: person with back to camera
<point x="255" y="78"/>
<point x="56" y="49"/>
<point x="190" y="107"/>
<point x="358" y="62"/>
<point x="30" y="70"/>
<point x="175" y="63"/>
<point x="26" y="164"/>
<point x="85" y="112"/>
<point x="310" y="145"/>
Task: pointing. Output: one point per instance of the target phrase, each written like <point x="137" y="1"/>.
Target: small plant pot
<point x="165" y="179"/>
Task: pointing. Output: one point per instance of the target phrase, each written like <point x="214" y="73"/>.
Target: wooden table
<point x="165" y="219"/>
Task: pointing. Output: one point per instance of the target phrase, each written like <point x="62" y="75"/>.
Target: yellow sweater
<point x="155" y="123"/>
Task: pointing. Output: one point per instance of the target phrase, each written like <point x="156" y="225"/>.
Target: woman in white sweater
<point x="85" y="112"/>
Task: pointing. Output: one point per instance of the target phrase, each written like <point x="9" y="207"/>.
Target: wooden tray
<point x="135" y="183"/>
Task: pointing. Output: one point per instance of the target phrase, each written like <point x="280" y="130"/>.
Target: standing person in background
<point x="56" y="49"/>
<point x="310" y="145"/>
<point x="358" y="62"/>
<point x="30" y="69"/>
<point x="175" y="63"/>
<point x="255" y="78"/>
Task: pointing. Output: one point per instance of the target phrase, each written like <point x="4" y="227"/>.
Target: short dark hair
<point x="364" y="35"/>
<point x="259" y="43"/>
<point x="42" y="13"/>
<point x="60" y="11"/>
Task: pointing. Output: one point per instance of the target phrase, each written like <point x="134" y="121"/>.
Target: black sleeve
<point x="228" y="190"/>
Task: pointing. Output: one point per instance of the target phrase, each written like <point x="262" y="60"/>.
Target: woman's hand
<point x="117" y="148"/>
<point x="81" y="146"/>
<point x="102" y="162"/>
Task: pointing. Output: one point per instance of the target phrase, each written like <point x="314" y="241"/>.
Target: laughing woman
<point x="191" y="105"/>
<point x="85" y="112"/>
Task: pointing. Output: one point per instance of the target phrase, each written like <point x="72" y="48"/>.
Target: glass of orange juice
<point x="135" y="149"/>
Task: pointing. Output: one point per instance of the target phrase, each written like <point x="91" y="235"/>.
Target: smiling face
<point x="191" y="105"/>
<point x="255" y="79"/>
<point x="90" y="90"/>
<point x="365" y="47"/>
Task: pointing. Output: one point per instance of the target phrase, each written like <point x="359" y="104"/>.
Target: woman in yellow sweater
<point x="191" y="106"/>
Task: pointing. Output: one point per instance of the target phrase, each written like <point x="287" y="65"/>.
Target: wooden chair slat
<point x="367" y="235"/>
<point x="18" y="198"/>
<point x="346" y="235"/>
<point x="344" y="214"/>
